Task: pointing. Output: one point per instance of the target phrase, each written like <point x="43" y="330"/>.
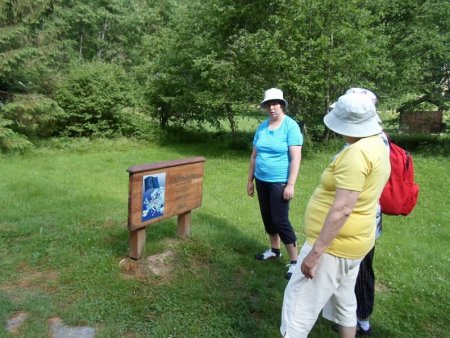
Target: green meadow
<point x="64" y="241"/>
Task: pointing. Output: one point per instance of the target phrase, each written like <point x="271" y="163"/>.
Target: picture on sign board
<point x="153" y="189"/>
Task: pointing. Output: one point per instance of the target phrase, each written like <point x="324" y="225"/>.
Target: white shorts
<point x="333" y="290"/>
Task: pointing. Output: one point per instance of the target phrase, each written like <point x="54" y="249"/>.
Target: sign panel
<point x="153" y="196"/>
<point x="165" y="189"/>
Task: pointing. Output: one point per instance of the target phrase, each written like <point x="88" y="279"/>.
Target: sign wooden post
<point x="161" y="190"/>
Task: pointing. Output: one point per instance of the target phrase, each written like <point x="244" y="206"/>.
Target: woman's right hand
<point x="250" y="189"/>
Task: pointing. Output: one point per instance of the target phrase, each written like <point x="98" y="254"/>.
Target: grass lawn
<point x="64" y="237"/>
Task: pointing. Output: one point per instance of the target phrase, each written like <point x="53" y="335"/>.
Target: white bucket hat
<point x="273" y="94"/>
<point x="353" y="115"/>
<point x="367" y="92"/>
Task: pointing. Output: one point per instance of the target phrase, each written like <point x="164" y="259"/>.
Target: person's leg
<point x="274" y="241"/>
<point x="347" y="332"/>
<point x="341" y="307"/>
<point x="292" y="251"/>
<point x="365" y="288"/>
<point x="300" y="306"/>
<point x="364" y="293"/>
<point x="280" y="219"/>
<point x="293" y="256"/>
<point x="264" y="192"/>
<point x="305" y="298"/>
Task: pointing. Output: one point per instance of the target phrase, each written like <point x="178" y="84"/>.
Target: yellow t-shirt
<point x="362" y="166"/>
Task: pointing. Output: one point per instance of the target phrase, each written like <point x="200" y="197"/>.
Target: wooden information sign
<point x="161" y="190"/>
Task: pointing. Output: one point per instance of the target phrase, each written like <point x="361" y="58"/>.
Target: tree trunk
<point x="102" y="37"/>
<point x="232" y="122"/>
<point x="80" y="50"/>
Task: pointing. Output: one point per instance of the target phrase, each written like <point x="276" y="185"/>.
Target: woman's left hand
<point x="288" y="192"/>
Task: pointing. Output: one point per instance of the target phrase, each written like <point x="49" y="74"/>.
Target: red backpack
<point x="399" y="196"/>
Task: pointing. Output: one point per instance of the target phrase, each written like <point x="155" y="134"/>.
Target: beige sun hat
<point x="353" y="115"/>
<point x="273" y="94"/>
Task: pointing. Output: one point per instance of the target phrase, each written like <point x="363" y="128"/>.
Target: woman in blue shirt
<point x="274" y="166"/>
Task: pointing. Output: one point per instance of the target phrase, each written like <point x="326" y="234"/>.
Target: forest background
<point x="133" y="68"/>
<point x="88" y="88"/>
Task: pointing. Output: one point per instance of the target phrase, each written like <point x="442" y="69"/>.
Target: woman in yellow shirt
<point x="339" y="223"/>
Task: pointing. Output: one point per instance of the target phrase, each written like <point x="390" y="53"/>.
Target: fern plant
<point x="11" y="141"/>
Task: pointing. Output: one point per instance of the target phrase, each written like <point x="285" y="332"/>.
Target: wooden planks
<point x="161" y="190"/>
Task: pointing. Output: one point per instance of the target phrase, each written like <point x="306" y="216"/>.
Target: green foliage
<point x="417" y="29"/>
<point x="171" y="83"/>
<point x="39" y="37"/>
<point x="11" y="142"/>
<point x="205" y="62"/>
<point x="29" y="45"/>
<point x="95" y="97"/>
<point x="131" y="122"/>
<point x="426" y="144"/>
<point x="312" y="51"/>
<point x="34" y="116"/>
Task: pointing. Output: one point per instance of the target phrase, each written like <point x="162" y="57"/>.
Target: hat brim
<point x="262" y="105"/>
<point x="366" y="128"/>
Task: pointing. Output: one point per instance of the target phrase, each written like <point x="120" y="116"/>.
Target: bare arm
<point x="337" y="216"/>
<point x="251" y="174"/>
<point x="295" y="154"/>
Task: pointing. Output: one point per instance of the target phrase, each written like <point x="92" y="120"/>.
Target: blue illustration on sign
<point x="153" y="189"/>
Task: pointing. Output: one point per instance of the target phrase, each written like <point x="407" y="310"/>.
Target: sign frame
<point x="161" y="190"/>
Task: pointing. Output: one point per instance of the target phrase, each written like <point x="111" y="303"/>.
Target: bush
<point x="94" y="97"/>
<point x="427" y="144"/>
<point x="11" y="141"/>
<point x="34" y="116"/>
<point x="134" y="123"/>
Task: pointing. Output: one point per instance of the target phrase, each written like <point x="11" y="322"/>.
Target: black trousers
<point x="365" y="286"/>
<point x="275" y="210"/>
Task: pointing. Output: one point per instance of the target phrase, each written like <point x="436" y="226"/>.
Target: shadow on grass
<point x="207" y="144"/>
<point x="217" y="280"/>
<point x="215" y="270"/>
<point x="216" y="143"/>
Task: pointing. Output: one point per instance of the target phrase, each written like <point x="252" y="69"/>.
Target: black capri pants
<point x="365" y="287"/>
<point x="275" y="210"/>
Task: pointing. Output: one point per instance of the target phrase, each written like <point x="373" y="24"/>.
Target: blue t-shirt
<point x="272" y="149"/>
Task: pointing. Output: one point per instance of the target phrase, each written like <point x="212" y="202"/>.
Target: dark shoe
<point x="268" y="254"/>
